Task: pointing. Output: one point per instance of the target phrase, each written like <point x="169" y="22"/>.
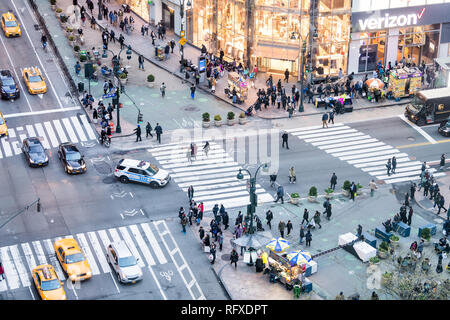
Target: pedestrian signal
<point x="139" y="119"/>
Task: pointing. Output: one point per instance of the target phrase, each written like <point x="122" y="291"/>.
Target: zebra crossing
<point x="52" y="133"/>
<point x="362" y="151"/>
<point x="147" y="240"/>
<point x="213" y="176"/>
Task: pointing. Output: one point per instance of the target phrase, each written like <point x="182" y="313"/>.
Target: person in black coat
<point x="138" y="133"/>
<point x="234" y="257"/>
<point x="308" y="238"/>
<point x="333" y="181"/>
<point x="190" y="192"/>
<point x="201" y="231"/>
<point x="284" y="137"/>
<point x="269" y="217"/>
<point x="289" y="227"/>
<point x="353" y="191"/>
<point x="305" y="216"/>
<point x="225" y="220"/>
<point x="158" y="131"/>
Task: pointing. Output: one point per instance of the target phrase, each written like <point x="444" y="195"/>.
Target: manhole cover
<point x="102" y="167"/>
<point x="109" y="180"/>
<point x="411" y="139"/>
<point x="226" y="257"/>
<point x="191" y="107"/>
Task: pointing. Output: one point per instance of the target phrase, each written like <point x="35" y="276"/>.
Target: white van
<point x="141" y="171"/>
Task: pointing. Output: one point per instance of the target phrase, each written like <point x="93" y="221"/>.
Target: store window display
<point x="371" y="50"/>
<point x="418" y="44"/>
<point x="141" y="8"/>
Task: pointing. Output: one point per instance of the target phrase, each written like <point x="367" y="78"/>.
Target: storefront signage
<point x="400" y="17"/>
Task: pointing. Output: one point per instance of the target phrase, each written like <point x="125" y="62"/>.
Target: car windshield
<point x="37" y="148"/>
<point x="127" y="262"/>
<point x="8" y="82"/>
<point x="1" y="121"/>
<point x="35" y="79"/>
<point x="73" y="156"/>
<point x="152" y="169"/>
<point x="51" y="285"/>
<point x="10" y="24"/>
<point x="73" y="258"/>
<point x="417" y="104"/>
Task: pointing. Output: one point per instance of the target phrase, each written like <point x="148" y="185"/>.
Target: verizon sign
<point x="400" y="17"/>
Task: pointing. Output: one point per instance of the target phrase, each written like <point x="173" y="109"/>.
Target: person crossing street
<point x="158" y="131"/>
<point x="324" y="120"/>
<point x="280" y="193"/>
<point x="305" y="216"/>
<point x="284" y="137"/>
<point x="148" y="130"/>
<point x="394" y="164"/>
<point x="138" y="133"/>
<point x="333" y="181"/>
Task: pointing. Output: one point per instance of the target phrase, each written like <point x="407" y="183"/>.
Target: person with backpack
<point x="280" y="193"/>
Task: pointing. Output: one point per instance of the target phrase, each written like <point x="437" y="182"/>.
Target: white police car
<point x="141" y="171"/>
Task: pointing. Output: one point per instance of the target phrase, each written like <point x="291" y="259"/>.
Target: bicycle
<point x="106" y="142"/>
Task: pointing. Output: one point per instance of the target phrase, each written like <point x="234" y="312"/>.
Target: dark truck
<point x="429" y="106"/>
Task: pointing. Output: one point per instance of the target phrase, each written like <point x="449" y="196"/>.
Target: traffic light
<point x="38" y="206"/>
<point x="139" y="119"/>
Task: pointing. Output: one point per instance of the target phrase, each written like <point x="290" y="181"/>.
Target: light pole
<point x="100" y="13"/>
<point x="302" y="74"/>
<point x="188" y="4"/>
<point x="251" y="208"/>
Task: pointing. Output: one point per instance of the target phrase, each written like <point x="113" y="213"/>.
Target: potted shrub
<point x="76" y="48"/>
<point x="374" y="260"/>
<point x="58" y="12"/>
<point x="83" y="58"/>
<point x="53" y="4"/>
<point x="242" y="119"/>
<point x="123" y="78"/>
<point x="217" y="120"/>
<point x="425" y="235"/>
<point x="230" y="118"/>
<point x="383" y="250"/>
<point x="358" y="187"/>
<point x="69" y="31"/>
<point x="206" y="120"/>
<point x="312" y="194"/>
<point x="63" y="19"/>
<point x="386" y="278"/>
<point x="346" y="188"/>
<point x="295" y="198"/>
<point x="71" y="38"/>
<point x="150" y="81"/>
<point x="395" y="241"/>
<point x="329" y="193"/>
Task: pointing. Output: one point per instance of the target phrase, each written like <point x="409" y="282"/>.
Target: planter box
<point x="382" y="254"/>
<point x="395" y="244"/>
<point x="123" y="81"/>
<point x="295" y="200"/>
<point x="53" y="7"/>
<point x="312" y="199"/>
<point x="329" y="196"/>
<point x="403" y="229"/>
<point x="370" y="240"/>
<point x="430" y="226"/>
<point x="217" y="123"/>
<point x="206" y="124"/>
<point x="230" y="122"/>
<point x="151" y="84"/>
<point x="346" y="193"/>
<point x="242" y="120"/>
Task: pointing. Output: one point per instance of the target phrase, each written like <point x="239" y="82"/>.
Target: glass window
<point x="51" y="285"/>
<point x="379" y="4"/>
<point x="325" y="5"/>
<point x="399" y="3"/>
<point x="74" y="258"/>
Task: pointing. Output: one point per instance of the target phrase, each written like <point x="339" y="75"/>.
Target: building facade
<point x="339" y="34"/>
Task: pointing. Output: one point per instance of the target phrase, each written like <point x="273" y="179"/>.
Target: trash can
<point x="80" y="86"/>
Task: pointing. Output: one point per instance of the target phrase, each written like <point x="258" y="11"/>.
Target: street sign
<point x="182" y="33"/>
<point x="182" y="41"/>
<point x="109" y="95"/>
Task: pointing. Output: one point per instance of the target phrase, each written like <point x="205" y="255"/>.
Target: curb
<point x="222" y="284"/>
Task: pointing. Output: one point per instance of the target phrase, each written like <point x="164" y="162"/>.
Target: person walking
<point x="289" y="227"/>
<point x="441" y="204"/>
<point x="220" y="240"/>
<point x="2" y="272"/>
<point x="317" y="220"/>
<point x="308" y="238"/>
<point x="286" y="75"/>
<point x="328" y="211"/>
<point x="280" y="193"/>
<point x="353" y="189"/>
<point x="158" y="131"/>
<point x="281" y="227"/>
<point x="225" y="220"/>
<point x="183" y="223"/>
<point x="412" y="190"/>
<point x="77" y="68"/>
<point x="163" y="90"/>
<point x="394" y="164"/>
<point x="420" y="249"/>
<point x="212" y="252"/>
<point x="442" y="162"/>
<point x="302" y="233"/>
<point x="372" y="186"/>
<point x="305" y="216"/>
<point x="292" y="176"/>
<point x="284" y="138"/>
<point x="324" y="120"/>
<point x="201" y="209"/>
<point x="234" y="257"/>
<point x="269" y="217"/>
<point x="331" y="116"/>
<point x="206" y="148"/>
<point x="410" y="214"/>
<point x="359" y="231"/>
<point x="201" y="232"/>
<point x="148" y="130"/>
<point x="192" y="91"/>
<point x="141" y="62"/>
<point x="138" y="133"/>
<point x="333" y="181"/>
<point x="105" y="87"/>
<point x="388" y="167"/>
<point x="190" y="193"/>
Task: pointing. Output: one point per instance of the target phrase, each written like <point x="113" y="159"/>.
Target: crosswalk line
<point x="154" y="243"/>
<point x="114" y="235"/>
<point x="215" y="186"/>
<point x="404" y="179"/>
<point x="362" y="151"/>
<point x="309" y="128"/>
<point x="212" y="158"/>
<point x="327" y="134"/>
<point x="181" y="152"/>
<point x="403" y="174"/>
<point x="6" y="148"/>
<point x="226" y="195"/>
<point x="60" y="130"/>
<point x="29" y="256"/>
<point x="319" y="130"/>
<point x="72" y="136"/>
<point x="30" y="130"/>
<point x="141" y="244"/>
<point x="232" y="173"/>
<point x="384" y="157"/>
<point x="391" y="152"/>
<point x="330" y="143"/>
<point x="131" y="246"/>
<point x="99" y="252"/>
<point x="197" y="168"/>
<point x="382" y="166"/>
<point x="39" y="252"/>
<point x="42" y="135"/>
<point x="376" y="162"/>
<point x="397" y="170"/>
<point x="237" y="202"/>
<point x="14" y="144"/>
<point x="87" y="251"/>
<point x="20" y="266"/>
<point x="88" y="127"/>
<point x="198" y="162"/>
<point x="53" y="259"/>
<point x="221" y="190"/>
<point x="205" y="172"/>
<point x="214" y="181"/>
<point x="337" y="138"/>
<point x="105" y="239"/>
<point x="51" y="134"/>
<point x="354" y="147"/>
<point x="78" y="128"/>
<point x="10" y="270"/>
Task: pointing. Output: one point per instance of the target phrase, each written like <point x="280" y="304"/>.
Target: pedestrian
<point x="281" y="227"/>
<point x="420" y="249"/>
<point x="292" y="176"/>
<point x="289" y="227"/>
<point x="308" y="238"/>
<point x="269" y="217"/>
<point x="148" y="130"/>
<point x="302" y="233"/>
<point x="163" y="90"/>
<point x="284" y="138"/>
<point x="225" y="220"/>
<point x="201" y="232"/>
<point x="138" y="133"/>
<point x="441" y="204"/>
<point x="212" y="253"/>
<point x="410" y="214"/>
<point x="153" y="36"/>
<point x="234" y="258"/>
<point x="206" y="148"/>
<point x="280" y="193"/>
<point x="77" y="68"/>
<point x="220" y="240"/>
<point x="201" y="209"/>
<point x="2" y="272"/>
<point x="305" y="216"/>
<point x="92" y="22"/>
<point x="374" y="296"/>
<point x="328" y="211"/>
<point x="158" y="131"/>
<point x="183" y="223"/>
<point x="112" y="36"/>
<point x="413" y="190"/>
<point x="141" y="62"/>
<point x="286" y="75"/>
<point x="121" y="41"/>
<point x="388" y="167"/>
<point x="333" y="181"/>
<point x="331" y="116"/>
<point x="442" y="162"/>
<point x="105" y="87"/>
<point x="190" y="214"/>
<point x="359" y="231"/>
<point x="394" y="164"/>
<point x="340" y="296"/>
<point x="172" y="45"/>
<point x="353" y="189"/>
<point x="190" y="192"/>
<point x="193" y="91"/>
<point x="324" y="120"/>
<point x="372" y="186"/>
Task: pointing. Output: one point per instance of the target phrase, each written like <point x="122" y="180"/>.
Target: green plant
<point x="384" y="246"/>
<point x="59" y="10"/>
<point x="374" y="260"/>
<point x="426" y="234"/>
<point x="150" y="78"/>
<point x="64" y="19"/>
<point x="346" y="185"/>
<point x="83" y="58"/>
<point x="242" y="115"/>
<point x="205" y="116"/>
<point x="217" y="117"/>
<point x="295" y="195"/>
<point x="313" y="192"/>
<point x="76" y="48"/>
<point x="94" y="67"/>
<point x="53" y="2"/>
<point x="230" y="115"/>
<point x="69" y="29"/>
<point x="329" y="190"/>
<point x="71" y="38"/>
<point x="123" y="75"/>
<point x="358" y="186"/>
<point x="395" y="238"/>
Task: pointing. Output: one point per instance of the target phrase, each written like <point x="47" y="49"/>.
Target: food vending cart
<point x="239" y="84"/>
<point x="404" y="82"/>
<point x="282" y="270"/>
<point x="159" y="53"/>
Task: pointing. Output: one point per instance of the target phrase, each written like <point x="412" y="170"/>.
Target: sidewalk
<point x="142" y="45"/>
<point x="444" y="188"/>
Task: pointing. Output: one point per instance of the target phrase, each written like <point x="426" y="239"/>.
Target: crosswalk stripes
<point x="212" y="176"/>
<point x="19" y="259"/>
<point x="51" y="133"/>
<point x="362" y="151"/>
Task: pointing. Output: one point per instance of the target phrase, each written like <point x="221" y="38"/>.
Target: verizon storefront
<point x="421" y="33"/>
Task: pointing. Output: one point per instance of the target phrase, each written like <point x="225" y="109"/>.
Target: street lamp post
<point x="302" y="74"/>
<point x="188" y="4"/>
<point x="100" y="13"/>
<point x="251" y="208"/>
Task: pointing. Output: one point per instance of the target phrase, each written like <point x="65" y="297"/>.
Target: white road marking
<point x="20" y="267"/>
<point x="141" y="244"/>
<point x="34" y="113"/>
<point x="14" y="144"/>
<point x="87" y="251"/>
<point x="41" y="133"/>
<point x="39" y="252"/>
<point x="59" y="129"/>
<point x="99" y="252"/>
<point x="6" y="148"/>
<point x="362" y="151"/>
<point x="88" y="127"/>
<point x="353" y="147"/>
<point x="154" y="243"/>
<point x="73" y="137"/>
<point x="51" y="134"/>
<point x="78" y="128"/>
<point x="131" y="246"/>
<point x="418" y="129"/>
<point x="157" y="283"/>
<point x="369" y="155"/>
<point x="30" y="130"/>
<point x="29" y="256"/>
<point x="115" y="236"/>
<point x="10" y="270"/>
<point x="53" y="259"/>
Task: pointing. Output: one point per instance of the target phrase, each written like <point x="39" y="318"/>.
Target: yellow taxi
<point x="34" y="80"/>
<point x="47" y="283"/>
<point x="3" y="127"/>
<point x="10" y="26"/>
<point x="72" y="259"/>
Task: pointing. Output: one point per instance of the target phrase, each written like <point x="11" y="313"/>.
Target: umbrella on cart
<point x="255" y="240"/>
<point x="299" y="257"/>
<point x="278" y="244"/>
<point x="375" y="83"/>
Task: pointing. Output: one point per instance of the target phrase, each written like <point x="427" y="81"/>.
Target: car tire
<point x="154" y="185"/>
<point x="118" y="277"/>
<point x="420" y="122"/>
<point x="123" y="179"/>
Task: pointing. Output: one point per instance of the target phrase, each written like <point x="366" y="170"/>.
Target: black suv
<point x="71" y="158"/>
<point x="8" y="85"/>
